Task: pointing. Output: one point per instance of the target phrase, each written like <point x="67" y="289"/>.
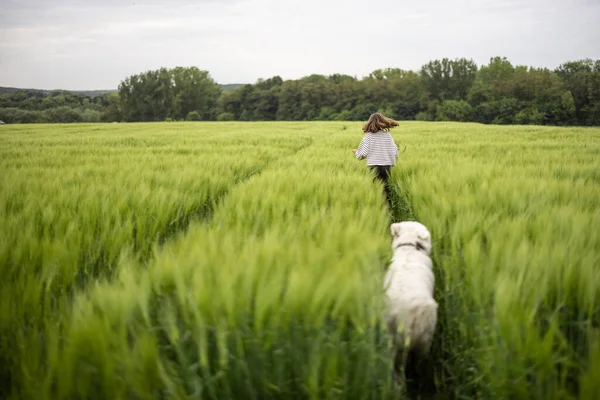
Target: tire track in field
<point x="204" y="214"/>
<point x="177" y="226"/>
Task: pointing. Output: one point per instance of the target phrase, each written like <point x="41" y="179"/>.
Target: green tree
<point x="194" y="90"/>
<point x="289" y="101"/>
<point x="112" y="111"/>
<point x="193" y="116"/>
<point x="248" y="98"/>
<point x="156" y="95"/>
<point x="454" y="110"/>
<point x="448" y="79"/>
<point x="582" y="79"/>
<point x="226" y="116"/>
<point x="530" y="116"/>
<point x="493" y="82"/>
<point x="230" y="103"/>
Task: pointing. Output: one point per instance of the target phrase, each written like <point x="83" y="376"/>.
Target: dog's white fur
<point x="409" y="283"/>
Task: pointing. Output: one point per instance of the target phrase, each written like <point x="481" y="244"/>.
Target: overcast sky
<point x="50" y="44"/>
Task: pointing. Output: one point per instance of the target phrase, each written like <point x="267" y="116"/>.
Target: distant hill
<point x="90" y="93"/>
<point x="12" y="90"/>
<point x="229" y="87"/>
<point x="93" y="93"/>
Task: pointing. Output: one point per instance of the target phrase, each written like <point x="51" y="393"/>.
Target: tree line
<point x="58" y="106"/>
<point x="442" y="90"/>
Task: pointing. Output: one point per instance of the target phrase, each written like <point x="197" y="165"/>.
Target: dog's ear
<point x="425" y="236"/>
<point x="395" y="229"/>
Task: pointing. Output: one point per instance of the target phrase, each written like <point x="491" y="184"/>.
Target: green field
<point x="246" y="260"/>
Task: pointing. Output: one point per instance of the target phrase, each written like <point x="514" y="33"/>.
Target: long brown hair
<point x="379" y="122"/>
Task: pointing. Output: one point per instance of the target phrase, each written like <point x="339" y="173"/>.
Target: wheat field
<point x="245" y="260"/>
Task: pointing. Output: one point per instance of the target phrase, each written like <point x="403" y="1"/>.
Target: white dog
<point x="409" y="283"/>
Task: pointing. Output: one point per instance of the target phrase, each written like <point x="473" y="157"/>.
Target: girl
<point x="379" y="148"/>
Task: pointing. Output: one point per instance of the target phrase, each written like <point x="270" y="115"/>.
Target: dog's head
<point x="411" y="233"/>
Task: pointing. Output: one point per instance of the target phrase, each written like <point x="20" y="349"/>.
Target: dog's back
<point x="409" y="284"/>
<point x="412" y="311"/>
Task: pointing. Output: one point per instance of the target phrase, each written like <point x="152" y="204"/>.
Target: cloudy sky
<point x="94" y="44"/>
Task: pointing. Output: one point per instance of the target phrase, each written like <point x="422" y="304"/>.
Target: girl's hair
<point x="379" y="122"/>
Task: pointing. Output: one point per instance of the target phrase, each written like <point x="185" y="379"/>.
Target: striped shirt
<point x="378" y="148"/>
